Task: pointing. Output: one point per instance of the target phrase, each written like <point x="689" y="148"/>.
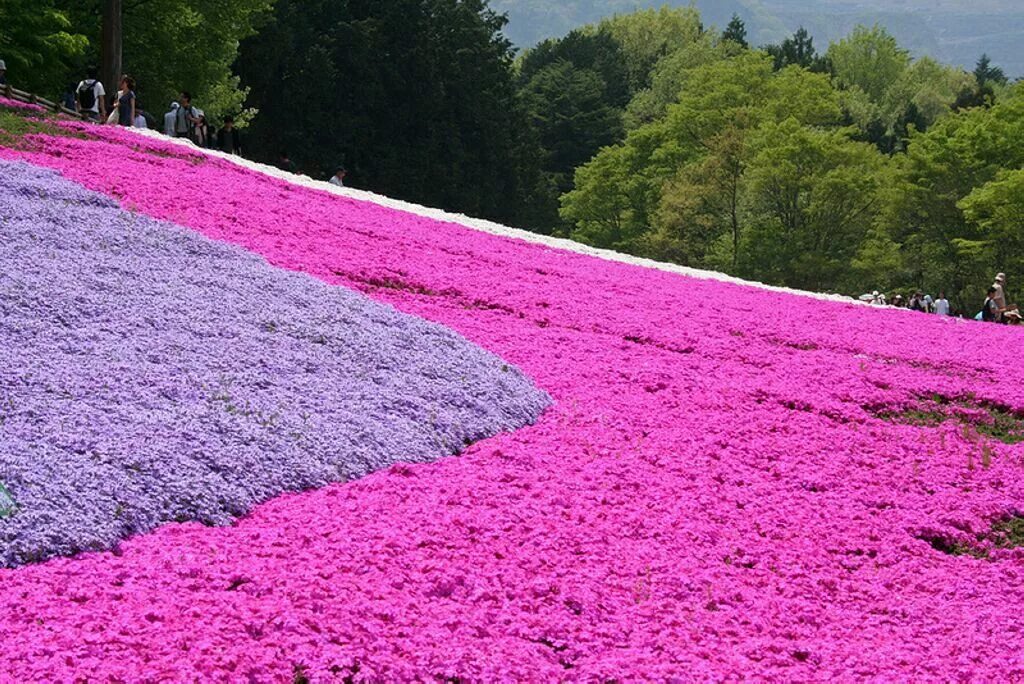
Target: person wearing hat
<point x="169" y="119"/>
<point x="1000" y="296"/>
<point x="3" y="72"/>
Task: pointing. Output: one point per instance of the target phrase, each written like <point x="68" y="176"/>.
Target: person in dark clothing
<point x="917" y="302"/>
<point x="990" y="310"/>
<point x="228" y="139"/>
<point x="126" y="102"/>
<point x="284" y="163"/>
<point x="67" y="99"/>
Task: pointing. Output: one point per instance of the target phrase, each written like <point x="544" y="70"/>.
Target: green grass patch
<point x="1007" y="533"/>
<point x="16" y="125"/>
<point x="997" y="422"/>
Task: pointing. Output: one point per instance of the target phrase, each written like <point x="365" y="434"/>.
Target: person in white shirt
<point x="169" y="119"/>
<point x="339" y="178"/>
<point x="942" y="305"/>
<point x="140" y="120"/>
<point x="90" y="97"/>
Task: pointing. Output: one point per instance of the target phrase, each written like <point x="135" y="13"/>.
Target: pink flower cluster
<point x="15" y="104"/>
<point x="712" y="496"/>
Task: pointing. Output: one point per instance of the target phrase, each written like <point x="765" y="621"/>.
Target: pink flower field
<point x="731" y="483"/>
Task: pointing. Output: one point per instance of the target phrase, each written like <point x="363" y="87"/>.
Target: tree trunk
<point x="110" y="52"/>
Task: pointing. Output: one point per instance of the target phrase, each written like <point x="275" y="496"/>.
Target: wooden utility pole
<point x="110" y="50"/>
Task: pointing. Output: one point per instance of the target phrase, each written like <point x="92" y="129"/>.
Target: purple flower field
<point x="153" y="375"/>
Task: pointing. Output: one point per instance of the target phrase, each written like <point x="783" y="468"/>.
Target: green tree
<point x="816" y="196"/>
<point x="39" y="43"/>
<point x="986" y="74"/>
<point x="596" y="51"/>
<point x="736" y="31"/>
<point x="996" y="210"/>
<point x="633" y="187"/>
<point x="886" y="93"/>
<point x="945" y="211"/>
<point x="416" y="97"/>
<point x="797" y="50"/>
<point x="869" y="60"/>
<point x="574" y="90"/>
<point x="989" y="80"/>
<point x="646" y="36"/>
<point x="573" y="121"/>
<point x="669" y="77"/>
<point x="703" y="214"/>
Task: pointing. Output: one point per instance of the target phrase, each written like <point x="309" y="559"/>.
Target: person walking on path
<point x="169" y="119"/>
<point x="126" y="102"/>
<point x="942" y="305"/>
<point x="140" y="117"/>
<point x="227" y="138"/>
<point x="201" y="132"/>
<point x="285" y="163"/>
<point x="90" y="97"/>
<point x="3" y="72"/>
<point x="339" y="177"/>
<point x="990" y="309"/>
<point x="1000" y="295"/>
<point x="186" y="119"/>
<point x="917" y="302"/>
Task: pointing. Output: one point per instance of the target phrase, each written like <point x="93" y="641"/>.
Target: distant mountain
<point x="953" y="31"/>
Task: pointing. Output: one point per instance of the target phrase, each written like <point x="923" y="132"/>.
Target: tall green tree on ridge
<point x="797" y="50"/>
<point x="574" y="91"/>
<point x="736" y="31"/>
<point x="416" y="97"/>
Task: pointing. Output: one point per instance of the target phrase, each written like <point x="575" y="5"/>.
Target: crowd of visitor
<point x="183" y="120"/>
<point x="995" y="309"/>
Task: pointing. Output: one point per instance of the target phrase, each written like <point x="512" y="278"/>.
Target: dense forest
<point x="848" y="167"/>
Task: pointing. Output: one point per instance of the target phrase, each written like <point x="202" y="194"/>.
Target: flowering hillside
<point x="730" y="482"/>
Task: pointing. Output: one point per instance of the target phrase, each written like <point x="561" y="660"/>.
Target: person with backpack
<point x="990" y="309"/>
<point x="89" y="97"/>
<point x="186" y="118"/>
